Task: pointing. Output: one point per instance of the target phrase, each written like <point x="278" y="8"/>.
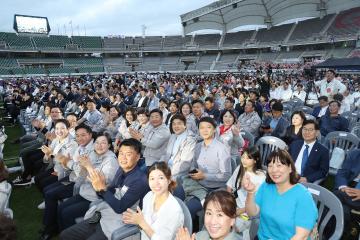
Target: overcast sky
<point x="103" y="17"/>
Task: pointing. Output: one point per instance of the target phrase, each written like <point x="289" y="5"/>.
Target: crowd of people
<point x="124" y="149"/>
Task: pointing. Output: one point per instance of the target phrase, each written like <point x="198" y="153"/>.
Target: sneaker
<point x="22" y="182"/>
<point x="17" y="180"/>
<point x="41" y="206"/>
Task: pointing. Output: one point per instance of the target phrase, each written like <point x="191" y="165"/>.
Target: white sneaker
<point x="41" y="206"/>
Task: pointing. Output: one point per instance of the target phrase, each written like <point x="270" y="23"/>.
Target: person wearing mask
<point x="311" y="157"/>
<point x="219" y="219"/>
<point x="161" y="216"/>
<point x="281" y="201"/>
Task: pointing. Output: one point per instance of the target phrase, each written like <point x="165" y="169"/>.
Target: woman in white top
<point x="130" y="122"/>
<point x="162" y="215"/>
<point x="250" y="165"/>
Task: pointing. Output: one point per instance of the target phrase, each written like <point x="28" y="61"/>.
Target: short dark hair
<point x="177" y="116"/>
<point x="132" y="142"/>
<point x="332" y="71"/>
<point x="278" y="106"/>
<point x="325" y="98"/>
<point x="338" y="97"/>
<point x="284" y="158"/>
<point x="108" y="139"/>
<point x="300" y="113"/>
<point x="224" y="199"/>
<point x="142" y="111"/>
<point x="209" y="99"/>
<point x="231" y="99"/>
<point x="197" y="101"/>
<point x="208" y="120"/>
<point x="156" y="110"/>
<point x="164" y="100"/>
<point x="311" y="121"/>
<point x="90" y="100"/>
<point x="84" y="126"/>
<point x="64" y="121"/>
<point x="229" y="111"/>
<point x="334" y="101"/>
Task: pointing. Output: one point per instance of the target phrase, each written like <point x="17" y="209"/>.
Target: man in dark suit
<point x="347" y="190"/>
<point x="322" y="109"/>
<point x="311" y="157"/>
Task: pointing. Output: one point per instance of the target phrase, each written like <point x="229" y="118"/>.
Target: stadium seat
<point x="268" y="144"/>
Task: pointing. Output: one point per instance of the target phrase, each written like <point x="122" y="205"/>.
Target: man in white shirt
<point x="299" y="92"/>
<point x="285" y="92"/>
<point x="330" y="86"/>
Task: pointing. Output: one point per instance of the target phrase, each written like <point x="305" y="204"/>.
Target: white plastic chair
<point x="268" y="144"/>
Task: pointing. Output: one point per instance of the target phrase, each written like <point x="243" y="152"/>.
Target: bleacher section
<point x="87" y="42"/>
<point x="8" y="62"/>
<point x="16" y="42"/>
<point x="346" y="23"/>
<point x="207" y="40"/>
<point x="151" y="43"/>
<point x="113" y="43"/>
<point x="276" y="34"/>
<point x="82" y="61"/>
<point x="174" y="42"/>
<point x="51" y="42"/>
<point x="309" y="28"/>
<point x="237" y="38"/>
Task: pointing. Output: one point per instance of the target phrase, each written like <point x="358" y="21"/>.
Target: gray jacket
<point x="250" y="122"/>
<point x="204" y="235"/>
<point x="184" y="155"/>
<point x="107" y="164"/>
<point x="155" y="142"/>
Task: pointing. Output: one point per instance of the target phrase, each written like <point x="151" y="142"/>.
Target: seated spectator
<point x="254" y="96"/>
<point x="277" y="124"/>
<point x="92" y="117"/>
<point x="346" y="189"/>
<point x="229" y="134"/>
<point x="180" y="148"/>
<point x="128" y="187"/>
<point x="285" y="92"/>
<point x="65" y="187"/>
<point x="229" y="105"/>
<point x="161" y="216"/>
<point x="240" y="106"/>
<point x="143" y="99"/>
<point x="274" y="91"/>
<point x="299" y="92"/>
<point x="210" y="108"/>
<point x="174" y="108"/>
<point x="7" y="228"/>
<point x="250" y="165"/>
<point x="129" y="122"/>
<point x="281" y="201"/>
<point x="5" y="187"/>
<point x="333" y="121"/>
<point x="185" y="110"/>
<point x="163" y="104"/>
<point x="294" y="131"/>
<point x="198" y="111"/>
<point x="113" y="122"/>
<point x="103" y="162"/>
<point x="345" y="106"/>
<point x="265" y="105"/>
<point x="311" y="157"/>
<point x="322" y="109"/>
<point x="156" y="138"/>
<point x="219" y="219"/>
<point x="153" y="100"/>
<point x="212" y="167"/>
<point x="250" y="120"/>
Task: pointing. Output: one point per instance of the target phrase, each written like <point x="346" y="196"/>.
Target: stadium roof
<point x="225" y="15"/>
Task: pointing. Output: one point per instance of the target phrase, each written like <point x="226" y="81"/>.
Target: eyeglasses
<point x="308" y="129"/>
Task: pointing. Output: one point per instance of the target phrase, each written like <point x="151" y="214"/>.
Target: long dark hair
<point x="252" y="153"/>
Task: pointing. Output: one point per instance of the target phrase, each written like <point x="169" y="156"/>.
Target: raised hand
<point x="247" y="184"/>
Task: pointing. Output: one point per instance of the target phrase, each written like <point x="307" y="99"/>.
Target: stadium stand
<point x="51" y="42"/>
<point x="16" y="42"/>
<point x="113" y="43"/>
<point x="309" y="28"/>
<point x="237" y="38"/>
<point x="346" y="23"/>
<point x="207" y="40"/>
<point x="87" y="42"/>
<point x="276" y="34"/>
<point x="153" y="43"/>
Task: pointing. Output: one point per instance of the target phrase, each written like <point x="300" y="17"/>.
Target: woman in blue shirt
<point x="286" y="208"/>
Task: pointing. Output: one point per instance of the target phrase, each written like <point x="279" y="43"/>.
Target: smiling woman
<point x="281" y="201"/>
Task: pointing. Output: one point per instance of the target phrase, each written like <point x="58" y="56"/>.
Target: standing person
<point x="161" y="216"/>
<point x="281" y="201"/>
<point x="330" y="86"/>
